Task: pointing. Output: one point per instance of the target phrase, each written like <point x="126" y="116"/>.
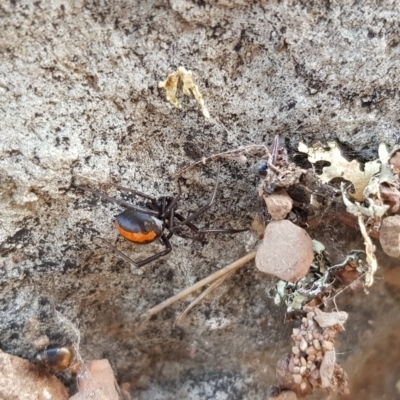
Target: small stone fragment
<point x="317" y="344"/>
<point x="311" y="351"/>
<point x="279" y="204"/>
<point x="303" y="345"/>
<point x="295" y="350"/>
<point x="327" y="345"/>
<point x="390" y="236"/>
<point x="327" y="367"/>
<point x="297" y="378"/>
<point x="326" y="320"/>
<point x="286" y="251"/>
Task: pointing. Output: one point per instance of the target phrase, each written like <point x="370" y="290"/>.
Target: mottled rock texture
<point x="80" y="103"/>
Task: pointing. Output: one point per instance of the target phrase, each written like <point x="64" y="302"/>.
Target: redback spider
<point x="145" y="225"/>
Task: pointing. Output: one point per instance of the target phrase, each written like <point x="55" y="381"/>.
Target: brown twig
<point x="210" y="279"/>
<point x="201" y="296"/>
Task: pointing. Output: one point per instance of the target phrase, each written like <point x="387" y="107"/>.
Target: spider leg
<point x="221" y="230"/>
<point x="139" y="264"/>
<point x="201" y="210"/>
<point x="119" y="202"/>
<point x="191" y="226"/>
<point x="202" y="232"/>
<point x="134" y="191"/>
<point x="172" y="205"/>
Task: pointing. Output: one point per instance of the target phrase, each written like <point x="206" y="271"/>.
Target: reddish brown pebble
<point x="279" y="204"/>
<point x="395" y="162"/>
<point x="392" y="277"/>
<point x="390" y="236"/>
<point x="286" y="251"/>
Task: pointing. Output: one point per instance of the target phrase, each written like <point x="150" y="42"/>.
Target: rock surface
<point x="286" y="251"/>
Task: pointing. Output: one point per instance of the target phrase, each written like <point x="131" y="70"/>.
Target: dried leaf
<point x="189" y="88"/>
<point x="341" y="168"/>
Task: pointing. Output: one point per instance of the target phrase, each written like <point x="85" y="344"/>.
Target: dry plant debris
<point x="340" y="167"/>
<point x="312" y="363"/>
<point x="323" y="281"/>
<point x="185" y="78"/>
<point x="286" y="251"/>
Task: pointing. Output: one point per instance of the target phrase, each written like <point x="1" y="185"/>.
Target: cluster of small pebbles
<point x="312" y="362"/>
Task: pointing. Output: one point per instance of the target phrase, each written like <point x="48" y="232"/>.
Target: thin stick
<point x="201" y="296"/>
<point x="211" y="278"/>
